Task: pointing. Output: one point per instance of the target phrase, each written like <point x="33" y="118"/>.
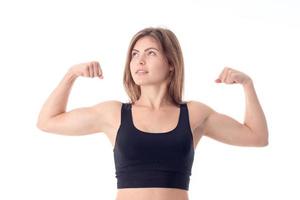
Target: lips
<point x="141" y="70"/>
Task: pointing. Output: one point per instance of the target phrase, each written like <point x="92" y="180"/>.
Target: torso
<point x="167" y="118"/>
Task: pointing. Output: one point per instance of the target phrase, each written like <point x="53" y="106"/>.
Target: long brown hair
<point x="172" y="50"/>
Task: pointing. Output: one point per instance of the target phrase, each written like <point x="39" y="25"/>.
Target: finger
<point x="95" y="69"/>
<point x="86" y="72"/>
<point x="218" y="80"/>
<point x="223" y="75"/>
<point x="100" y="72"/>
<point x="91" y="70"/>
<point x="228" y="78"/>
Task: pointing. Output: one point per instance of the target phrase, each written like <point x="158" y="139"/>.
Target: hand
<point x="89" y="69"/>
<point x="232" y="76"/>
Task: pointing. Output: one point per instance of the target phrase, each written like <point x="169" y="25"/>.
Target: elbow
<point x="262" y="141"/>
<point x="42" y="126"/>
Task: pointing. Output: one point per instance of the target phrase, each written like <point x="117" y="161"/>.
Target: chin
<point x="141" y="84"/>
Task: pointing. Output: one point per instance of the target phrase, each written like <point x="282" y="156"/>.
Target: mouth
<point x="141" y="72"/>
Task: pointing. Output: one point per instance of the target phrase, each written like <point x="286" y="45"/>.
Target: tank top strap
<point x="185" y="116"/>
<point x="125" y="113"/>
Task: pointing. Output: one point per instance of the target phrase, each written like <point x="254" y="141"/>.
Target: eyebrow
<point x="146" y="49"/>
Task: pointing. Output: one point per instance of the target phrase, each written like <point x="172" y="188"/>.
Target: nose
<point x="142" y="60"/>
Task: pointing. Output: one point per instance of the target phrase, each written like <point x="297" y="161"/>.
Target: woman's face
<point x="147" y="56"/>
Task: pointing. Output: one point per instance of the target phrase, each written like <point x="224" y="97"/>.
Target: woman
<point x="154" y="135"/>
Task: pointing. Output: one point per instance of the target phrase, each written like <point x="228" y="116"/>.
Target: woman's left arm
<point x="254" y="131"/>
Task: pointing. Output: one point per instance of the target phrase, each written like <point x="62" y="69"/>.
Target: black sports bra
<point x="145" y="159"/>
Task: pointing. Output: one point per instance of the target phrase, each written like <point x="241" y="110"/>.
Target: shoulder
<point x="108" y="114"/>
<point x="109" y="105"/>
<point x="110" y="109"/>
<point x="197" y="106"/>
<point x="198" y="111"/>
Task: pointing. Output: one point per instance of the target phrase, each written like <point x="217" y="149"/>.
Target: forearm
<point x="58" y="99"/>
<point x="254" y="115"/>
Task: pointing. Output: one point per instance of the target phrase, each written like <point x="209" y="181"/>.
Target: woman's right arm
<point x="53" y="116"/>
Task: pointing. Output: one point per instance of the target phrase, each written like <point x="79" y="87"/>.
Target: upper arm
<point x="227" y="130"/>
<point x="85" y="120"/>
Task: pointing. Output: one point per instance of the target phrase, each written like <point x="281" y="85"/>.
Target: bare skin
<point x="105" y="117"/>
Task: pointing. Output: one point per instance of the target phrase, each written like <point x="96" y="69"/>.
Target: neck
<point x="154" y="96"/>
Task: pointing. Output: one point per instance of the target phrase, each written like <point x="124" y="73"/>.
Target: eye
<point x="152" y="53"/>
<point x="133" y="54"/>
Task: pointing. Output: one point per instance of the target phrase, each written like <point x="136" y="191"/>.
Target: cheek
<point x="132" y="64"/>
<point x="160" y="66"/>
<point x="160" y="71"/>
<point x="131" y="69"/>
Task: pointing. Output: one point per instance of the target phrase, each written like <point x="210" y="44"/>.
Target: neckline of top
<point x="160" y="133"/>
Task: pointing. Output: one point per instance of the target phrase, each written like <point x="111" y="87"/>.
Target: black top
<point x="144" y="159"/>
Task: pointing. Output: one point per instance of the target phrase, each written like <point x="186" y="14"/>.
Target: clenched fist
<point x="232" y="76"/>
<point x="89" y="69"/>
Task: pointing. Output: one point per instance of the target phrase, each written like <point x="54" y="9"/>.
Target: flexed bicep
<point x="225" y="129"/>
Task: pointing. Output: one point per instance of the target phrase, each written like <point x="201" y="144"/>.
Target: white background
<point x="40" y="40"/>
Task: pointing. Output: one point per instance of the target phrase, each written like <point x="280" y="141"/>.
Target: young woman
<point x="154" y="135"/>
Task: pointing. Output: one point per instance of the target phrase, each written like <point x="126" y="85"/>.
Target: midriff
<point x="152" y="194"/>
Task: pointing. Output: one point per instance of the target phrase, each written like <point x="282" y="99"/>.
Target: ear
<point x="171" y="67"/>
